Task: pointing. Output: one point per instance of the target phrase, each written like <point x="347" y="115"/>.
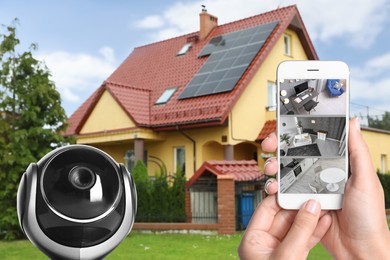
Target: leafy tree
<point x="381" y="124"/>
<point x="31" y="121"/>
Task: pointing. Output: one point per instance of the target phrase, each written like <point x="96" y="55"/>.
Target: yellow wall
<point x="205" y="140"/>
<point x="378" y="143"/>
<point x="250" y="113"/>
<point x="107" y="115"/>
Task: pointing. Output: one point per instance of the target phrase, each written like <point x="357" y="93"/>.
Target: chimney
<point x="207" y="23"/>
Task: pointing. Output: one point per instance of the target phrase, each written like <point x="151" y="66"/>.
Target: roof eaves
<point x="90" y="108"/>
<point x="118" y="100"/>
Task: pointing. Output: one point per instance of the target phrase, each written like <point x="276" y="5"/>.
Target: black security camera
<point x="76" y="203"/>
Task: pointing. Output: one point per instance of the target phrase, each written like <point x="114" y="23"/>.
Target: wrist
<point x="375" y="249"/>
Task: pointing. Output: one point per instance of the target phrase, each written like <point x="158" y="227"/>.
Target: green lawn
<point x="156" y="246"/>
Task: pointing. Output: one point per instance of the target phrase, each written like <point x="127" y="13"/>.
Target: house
<point x="194" y="98"/>
<point x="200" y="103"/>
<point x="378" y="142"/>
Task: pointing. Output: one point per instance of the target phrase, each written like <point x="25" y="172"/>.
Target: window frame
<point x="186" y="47"/>
<point x="271" y="93"/>
<point x="175" y="158"/>
<point x="166" y="95"/>
<point x="287" y="44"/>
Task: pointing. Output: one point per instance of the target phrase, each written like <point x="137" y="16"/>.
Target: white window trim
<point x="175" y="156"/>
<point x="287" y="45"/>
<point x="271" y="106"/>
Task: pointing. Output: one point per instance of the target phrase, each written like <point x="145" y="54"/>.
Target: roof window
<point x="165" y="96"/>
<point x="184" y="49"/>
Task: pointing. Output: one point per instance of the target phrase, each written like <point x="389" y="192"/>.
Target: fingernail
<point x="312" y="206"/>
<point x="268" y="161"/>
<point x="357" y="124"/>
<point x="267" y="183"/>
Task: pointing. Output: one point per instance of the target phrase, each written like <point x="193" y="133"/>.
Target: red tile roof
<point x="141" y="79"/>
<point x="269" y="127"/>
<point x="240" y="170"/>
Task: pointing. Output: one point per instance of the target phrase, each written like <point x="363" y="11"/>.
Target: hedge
<point x="161" y="199"/>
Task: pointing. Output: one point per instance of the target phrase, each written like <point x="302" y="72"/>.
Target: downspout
<point x="193" y="144"/>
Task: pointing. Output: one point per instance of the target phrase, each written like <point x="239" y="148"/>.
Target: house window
<point x="180" y="159"/>
<point x="383" y="163"/>
<point x="166" y="95"/>
<point x="271" y="88"/>
<point x="287" y="44"/>
<point x="129" y="159"/>
<point x="186" y="47"/>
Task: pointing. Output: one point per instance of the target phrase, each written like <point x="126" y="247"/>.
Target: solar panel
<point x="229" y="56"/>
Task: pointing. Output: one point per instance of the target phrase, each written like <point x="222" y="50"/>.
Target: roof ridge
<point x="126" y="86"/>
<point x="261" y="14"/>
<point x="228" y="23"/>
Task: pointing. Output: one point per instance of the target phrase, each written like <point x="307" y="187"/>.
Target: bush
<point x="158" y="201"/>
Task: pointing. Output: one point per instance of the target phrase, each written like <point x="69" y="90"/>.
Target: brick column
<point x="226" y="205"/>
<point x="188" y="206"/>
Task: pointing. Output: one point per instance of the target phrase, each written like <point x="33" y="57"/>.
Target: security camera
<point x="76" y="203"/>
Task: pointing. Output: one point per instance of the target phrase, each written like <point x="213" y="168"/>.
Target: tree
<point x="380" y="124"/>
<point x="31" y="121"/>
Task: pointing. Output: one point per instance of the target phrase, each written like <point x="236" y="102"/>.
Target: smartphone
<point x="312" y="130"/>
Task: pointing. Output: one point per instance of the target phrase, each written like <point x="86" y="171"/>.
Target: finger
<point x="270" y="143"/>
<point x="271" y="186"/>
<point x="264" y="215"/>
<point x="271" y="166"/>
<point x="300" y="234"/>
<point x="360" y="158"/>
<point x="322" y="227"/>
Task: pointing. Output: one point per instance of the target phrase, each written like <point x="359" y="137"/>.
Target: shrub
<point x="158" y="200"/>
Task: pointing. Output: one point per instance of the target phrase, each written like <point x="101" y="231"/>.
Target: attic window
<point x="166" y="95"/>
<point x="184" y="49"/>
<point x="287" y="44"/>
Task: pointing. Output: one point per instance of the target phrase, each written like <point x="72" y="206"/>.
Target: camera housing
<point x="76" y="203"/>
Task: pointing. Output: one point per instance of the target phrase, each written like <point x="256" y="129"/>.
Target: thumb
<point x="298" y="240"/>
<point x="360" y="159"/>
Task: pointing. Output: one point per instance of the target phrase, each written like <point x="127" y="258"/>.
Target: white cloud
<point x="358" y="22"/>
<point x="74" y="73"/>
<point x="151" y="22"/>
<point x="370" y="79"/>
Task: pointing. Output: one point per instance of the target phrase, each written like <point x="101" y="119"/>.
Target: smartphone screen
<point x="312" y="129"/>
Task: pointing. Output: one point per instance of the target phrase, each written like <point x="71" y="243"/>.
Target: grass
<point x="156" y="246"/>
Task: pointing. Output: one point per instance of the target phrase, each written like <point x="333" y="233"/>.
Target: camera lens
<point x="82" y="178"/>
<point x="80" y="182"/>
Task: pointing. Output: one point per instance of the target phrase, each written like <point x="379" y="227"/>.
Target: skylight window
<point x="166" y="95"/>
<point x="184" y="49"/>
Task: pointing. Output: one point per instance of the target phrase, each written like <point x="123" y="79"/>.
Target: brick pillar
<point x="226" y="205"/>
<point x="188" y="206"/>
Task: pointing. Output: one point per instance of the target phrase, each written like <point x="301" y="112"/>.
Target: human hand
<point x="282" y="234"/>
<point x="359" y="229"/>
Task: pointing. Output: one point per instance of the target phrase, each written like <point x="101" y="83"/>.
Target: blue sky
<point x="82" y="42"/>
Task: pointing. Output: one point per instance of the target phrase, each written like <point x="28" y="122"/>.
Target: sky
<point x="83" y="42"/>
